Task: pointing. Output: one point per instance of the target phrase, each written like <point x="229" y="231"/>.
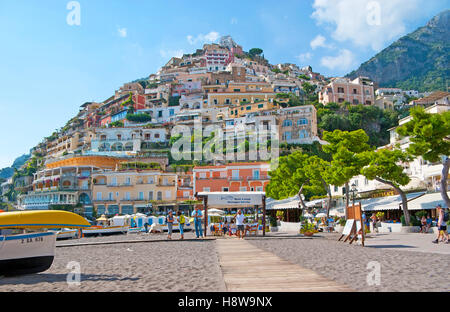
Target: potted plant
<point x="273" y="224"/>
<point x="308" y="229"/>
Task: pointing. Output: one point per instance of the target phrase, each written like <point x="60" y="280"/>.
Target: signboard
<point x="348" y="227"/>
<point x="230" y="200"/>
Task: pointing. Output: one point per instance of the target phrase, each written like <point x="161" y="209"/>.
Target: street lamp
<point x="353" y="190"/>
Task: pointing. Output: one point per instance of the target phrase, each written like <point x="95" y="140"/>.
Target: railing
<point x="165" y="184"/>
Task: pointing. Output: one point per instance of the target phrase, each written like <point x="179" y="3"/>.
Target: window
<point x="303" y="134"/>
<point x="355" y="91"/>
<point x="355" y="101"/>
<point x="256" y="174"/>
<point x="159" y="196"/>
<point x="111" y="196"/>
<point x="261" y="106"/>
<point x="340" y="90"/>
<point x="150" y="195"/>
<point x="287" y="136"/>
<point x="206" y="189"/>
<point x="336" y="189"/>
<point x="141" y="195"/>
<point x="127" y="195"/>
<point x="202" y="175"/>
<point x="114" y="181"/>
<point x="235" y="174"/>
<point x="249" y="108"/>
<point x="259" y="188"/>
<point x="150" y="180"/>
<point x="186" y="194"/>
<point x="287" y="123"/>
<point x="302" y="122"/>
<point x="225" y="189"/>
<point x="243" y="189"/>
<point x="127" y="181"/>
<point x="99" y="195"/>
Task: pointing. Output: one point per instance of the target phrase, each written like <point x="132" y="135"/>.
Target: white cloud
<point x="212" y="36"/>
<point x="319" y="42"/>
<point x="122" y="32"/>
<point x="171" y="53"/>
<point x="304" y="57"/>
<point x="366" y="23"/>
<point x="343" y="61"/>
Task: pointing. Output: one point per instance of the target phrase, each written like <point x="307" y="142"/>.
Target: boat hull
<point x="26" y="253"/>
<point x="106" y="230"/>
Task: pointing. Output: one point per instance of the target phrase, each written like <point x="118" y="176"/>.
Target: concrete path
<point x="247" y="268"/>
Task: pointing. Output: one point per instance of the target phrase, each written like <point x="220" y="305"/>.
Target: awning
<point x="386" y="203"/>
<point x="289" y="205"/>
<point x="427" y="201"/>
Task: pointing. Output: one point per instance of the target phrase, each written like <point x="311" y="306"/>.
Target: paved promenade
<point x="247" y="268"/>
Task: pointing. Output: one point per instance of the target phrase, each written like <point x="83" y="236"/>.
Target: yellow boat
<point x="26" y="253"/>
<point x="41" y="220"/>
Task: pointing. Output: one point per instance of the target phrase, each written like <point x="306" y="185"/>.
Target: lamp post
<point x="353" y="190"/>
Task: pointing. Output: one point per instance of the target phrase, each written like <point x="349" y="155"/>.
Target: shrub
<point x="139" y="117"/>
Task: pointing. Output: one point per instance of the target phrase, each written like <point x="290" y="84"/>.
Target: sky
<point x="56" y="55"/>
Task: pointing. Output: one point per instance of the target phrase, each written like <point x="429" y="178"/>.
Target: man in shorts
<point x="240" y="224"/>
<point x="442" y="224"/>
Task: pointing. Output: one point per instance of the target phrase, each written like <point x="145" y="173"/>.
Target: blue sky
<point x="49" y="68"/>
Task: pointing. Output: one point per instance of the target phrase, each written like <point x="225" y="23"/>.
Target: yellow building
<point x="129" y="191"/>
<point x="246" y="108"/>
<point x="243" y="93"/>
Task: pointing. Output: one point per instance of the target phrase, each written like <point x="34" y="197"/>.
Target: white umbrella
<point x="214" y="214"/>
<point x="321" y="215"/>
<point x="218" y="212"/>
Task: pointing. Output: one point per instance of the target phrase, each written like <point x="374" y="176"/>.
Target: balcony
<point x="165" y="184"/>
<point x="259" y="178"/>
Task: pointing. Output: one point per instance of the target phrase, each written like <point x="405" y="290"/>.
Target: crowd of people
<point x="227" y="228"/>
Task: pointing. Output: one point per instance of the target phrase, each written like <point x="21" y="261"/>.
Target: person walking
<point x="429" y="223"/>
<point x="240" y="224"/>
<point x="169" y="221"/>
<point x="442" y="224"/>
<point x="198" y="216"/>
<point x="181" y="223"/>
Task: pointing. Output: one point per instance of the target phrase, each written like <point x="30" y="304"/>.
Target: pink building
<point x="340" y="90"/>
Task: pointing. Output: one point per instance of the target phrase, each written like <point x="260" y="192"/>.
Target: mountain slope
<point x="417" y="61"/>
<point x="18" y="162"/>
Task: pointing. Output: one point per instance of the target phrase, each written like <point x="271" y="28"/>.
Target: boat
<point x="66" y="233"/>
<point x="26" y="246"/>
<point x="115" y="225"/>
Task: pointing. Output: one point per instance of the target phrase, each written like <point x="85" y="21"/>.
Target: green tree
<point x="255" y="52"/>
<point x="385" y="166"/>
<point x="430" y="138"/>
<point x="296" y="175"/>
<point x="345" y="148"/>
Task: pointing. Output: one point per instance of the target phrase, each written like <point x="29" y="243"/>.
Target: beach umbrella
<point x="321" y="215"/>
<point x="216" y="212"/>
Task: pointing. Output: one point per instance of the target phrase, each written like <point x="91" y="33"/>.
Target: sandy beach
<point x="194" y="266"/>
<point x="176" y="266"/>
<point x="347" y="264"/>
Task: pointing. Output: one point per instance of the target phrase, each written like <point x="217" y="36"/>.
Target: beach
<point x="176" y="266"/>
<point x="150" y="263"/>
<point x="347" y="264"/>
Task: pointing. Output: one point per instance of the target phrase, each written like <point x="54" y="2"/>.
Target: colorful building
<point x="234" y="177"/>
<point x="131" y="191"/>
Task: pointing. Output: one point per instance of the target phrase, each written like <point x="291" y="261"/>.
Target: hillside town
<point x="114" y="157"/>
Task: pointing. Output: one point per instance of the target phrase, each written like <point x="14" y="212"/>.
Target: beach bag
<point x="182" y="220"/>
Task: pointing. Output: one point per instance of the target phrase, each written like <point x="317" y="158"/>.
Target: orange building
<point x="234" y="177"/>
<point x="102" y="162"/>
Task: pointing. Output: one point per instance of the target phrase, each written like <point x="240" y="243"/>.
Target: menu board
<point x="348" y="227"/>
